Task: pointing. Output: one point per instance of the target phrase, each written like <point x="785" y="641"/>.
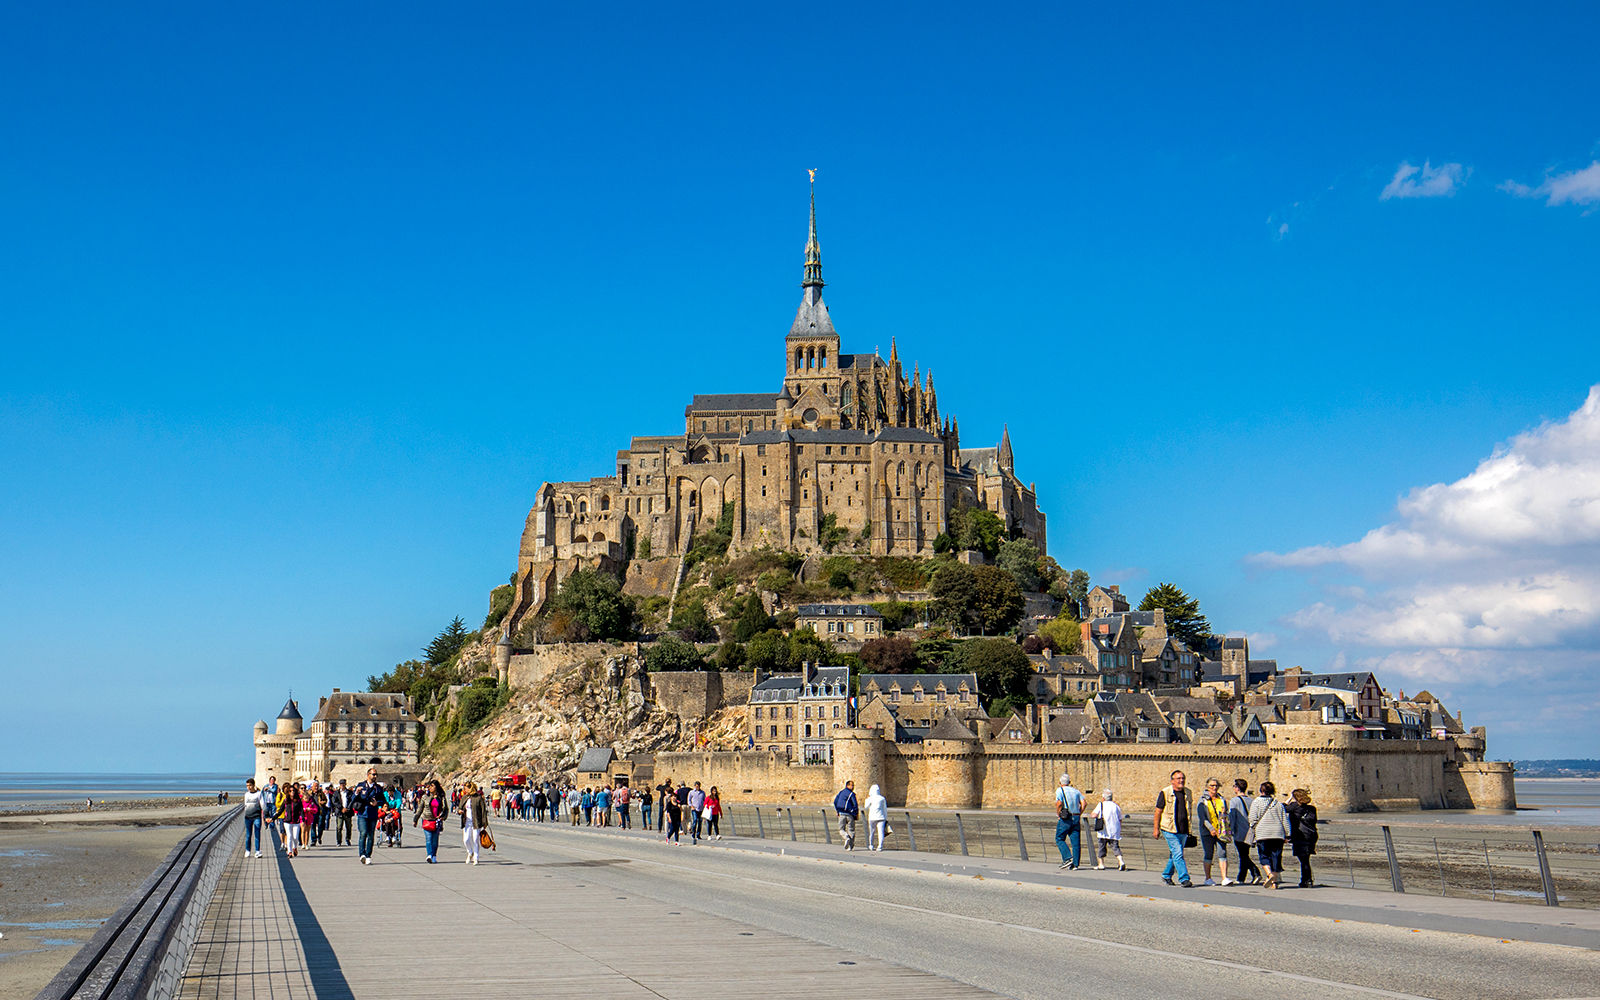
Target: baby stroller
<point x="389" y="823"/>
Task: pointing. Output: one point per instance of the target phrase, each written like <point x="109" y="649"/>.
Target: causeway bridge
<point x="577" y="912"/>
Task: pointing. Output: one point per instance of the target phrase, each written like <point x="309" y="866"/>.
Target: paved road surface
<point x="575" y="913"/>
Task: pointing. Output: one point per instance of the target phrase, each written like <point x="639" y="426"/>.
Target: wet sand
<point x="58" y="883"/>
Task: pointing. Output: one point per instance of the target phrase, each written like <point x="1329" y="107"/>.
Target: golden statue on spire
<point x="813" y="172"/>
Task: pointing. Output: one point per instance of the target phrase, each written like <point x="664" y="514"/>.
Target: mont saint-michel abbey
<point x="851" y="435"/>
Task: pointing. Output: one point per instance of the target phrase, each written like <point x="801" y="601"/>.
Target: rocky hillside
<point x="603" y="703"/>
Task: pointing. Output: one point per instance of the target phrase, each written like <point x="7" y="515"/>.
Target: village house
<point x="796" y="714"/>
<point x="844" y="623"/>
<point x="1112" y="643"/>
<point x="1103" y="602"/>
<point x="920" y="700"/>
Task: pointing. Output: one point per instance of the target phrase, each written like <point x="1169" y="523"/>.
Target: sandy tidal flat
<point x="57" y="883"/>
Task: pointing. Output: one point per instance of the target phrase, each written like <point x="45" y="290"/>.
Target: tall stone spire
<point x="813" y="281"/>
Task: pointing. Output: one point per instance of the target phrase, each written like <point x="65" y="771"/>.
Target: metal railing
<point x="1550" y="867"/>
<point x="141" y="951"/>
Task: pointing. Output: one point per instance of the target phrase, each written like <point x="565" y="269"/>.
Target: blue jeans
<point x="645" y="812"/>
<point x="430" y="840"/>
<point x="252" y="827"/>
<point x="366" y="826"/>
<point x="1067" y="833"/>
<point x="1176" y="869"/>
<point x="622" y="813"/>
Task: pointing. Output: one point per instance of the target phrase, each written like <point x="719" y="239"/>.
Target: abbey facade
<point x="847" y="435"/>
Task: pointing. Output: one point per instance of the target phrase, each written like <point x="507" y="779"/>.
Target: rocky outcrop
<point x="605" y="702"/>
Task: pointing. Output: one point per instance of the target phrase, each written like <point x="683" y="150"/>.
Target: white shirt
<point x="1112" y="814"/>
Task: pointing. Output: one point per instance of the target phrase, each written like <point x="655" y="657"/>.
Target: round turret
<point x="289" y="721"/>
<point x="261" y="727"/>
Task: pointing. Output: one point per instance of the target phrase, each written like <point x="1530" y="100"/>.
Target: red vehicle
<point x="511" y="781"/>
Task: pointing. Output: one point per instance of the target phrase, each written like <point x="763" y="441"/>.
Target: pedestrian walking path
<point x="323" y="927"/>
<point x="1513" y="921"/>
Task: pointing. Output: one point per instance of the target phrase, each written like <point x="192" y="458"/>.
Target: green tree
<point x="447" y="643"/>
<point x="595" y="602"/>
<point x="753" y="619"/>
<point x="692" y="623"/>
<point x="672" y="653"/>
<point x="1020" y="558"/>
<point x="935" y="651"/>
<point x="642" y="549"/>
<point x="767" y="651"/>
<point x="1002" y="667"/>
<point x="830" y="534"/>
<point x="477" y="704"/>
<point x="1184" y="620"/>
<point x="1062" y="634"/>
<point x="889" y="655"/>
<point x="977" y="598"/>
<point x="730" y="656"/>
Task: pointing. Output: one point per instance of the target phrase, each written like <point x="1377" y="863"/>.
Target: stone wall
<point x="529" y="667"/>
<point x="651" y="577"/>
<point x="1342" y="773"/>
<point x="696" y="694"/>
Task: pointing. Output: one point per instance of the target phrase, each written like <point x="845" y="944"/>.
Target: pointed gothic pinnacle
<point x="813" y="271"/>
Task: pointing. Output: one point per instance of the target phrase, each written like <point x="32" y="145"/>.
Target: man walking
<point x="1069" y="820"/>
<point x="367" y="800"/>
<point x="697" y="804"/>
<point x="624" y="800"/>
<point x="1172" y="825"/>
<point x="343" y="814"/>
<point x="849" y="811"/>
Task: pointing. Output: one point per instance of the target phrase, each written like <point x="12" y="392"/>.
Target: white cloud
<point x="1494" y="575"/>
<point x="1426" y="181"/>
<point x="1578" y="187"/>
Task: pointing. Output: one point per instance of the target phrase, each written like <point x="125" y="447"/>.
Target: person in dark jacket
<point x="1303" y="832"/>
<point x="848" y="810"/>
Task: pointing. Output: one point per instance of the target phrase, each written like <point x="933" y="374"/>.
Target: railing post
<point x="1494" y="897"/>
<point x="790" y="813"/>
<point x="910" y="833"/>
<point x="1347" y="862"/>
<point x="1394" y="863"/>
<point x="761" y="830"/>
<point x="1440" y="862"/>
<point x="1022" y="845"/>
<point x="961" y="831"/>
<point x="826" y="833"/>
<point x="733" y="828"/>
<point x="1544" y="870"/>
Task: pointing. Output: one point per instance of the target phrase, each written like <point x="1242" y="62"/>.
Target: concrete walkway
<point x="323" y="927"/>
<point x="1504" y="921"/>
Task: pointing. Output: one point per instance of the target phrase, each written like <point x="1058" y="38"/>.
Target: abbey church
<point x="847" y="435"/>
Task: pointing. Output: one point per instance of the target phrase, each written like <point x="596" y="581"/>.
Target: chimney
<point x="335" y="690"/>
<point x="1084" y="628"/>
<point x="1291" y="681"/>
<point x="1114" y="589"/>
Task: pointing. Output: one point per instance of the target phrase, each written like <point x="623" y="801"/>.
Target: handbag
<point x="484" y="840"/>
<point x="1099" y="823"/>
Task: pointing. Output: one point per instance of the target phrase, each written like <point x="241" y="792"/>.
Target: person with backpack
<point x="623" y="800"/>
<point x="1069" y="820"/>
<point x="1270" y="827"/>
<point x="602" y="806"/>
<point x="848" y="810"/>
<point x="432" y="807"/>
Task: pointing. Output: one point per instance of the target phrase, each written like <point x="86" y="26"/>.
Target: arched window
<point x="822" y="359"/>
<point x="580" y="539"/>
<point x="799" y="358"/>
<point x="599" y="536"/>
<point x="605" y="503"/>
<point x="583" y="506"/>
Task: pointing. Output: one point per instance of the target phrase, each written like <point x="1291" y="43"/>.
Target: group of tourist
<point x="301" y="813"/>
<point x="848" y="810"/>
<point x="695" y="807"/>
<point x="1213" y="821"/>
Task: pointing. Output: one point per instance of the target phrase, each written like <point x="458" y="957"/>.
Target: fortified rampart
<point x="1342" y="773"/>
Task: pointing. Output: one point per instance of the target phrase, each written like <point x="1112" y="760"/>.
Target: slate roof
<point x="1069" y="727"/>
<point x="735" y="401"/>
<point x="836" y="611"/>
<point x="785" y="688"/>
<point x="951" y="728"/>
<point x="290" y="711"/>
<point x="1073" y="663"/>
<point x="362" y="704"/>
<point x="1184" y="704"/>
<point x="986" y="460"/>
<point x="1341" y="682"/>
<point x="596" y="759"/>
<point x="928" y="682"/>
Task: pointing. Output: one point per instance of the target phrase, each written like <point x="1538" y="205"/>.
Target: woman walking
<point x="308" y="818"/>
<point x="672" y="813"/>
<point x="1269" y="823"/>
<point x="1239" y="828"/>
<point x="713" y="813"/>
<point x="645" y="801"/>
<point x="1303" y="832"/>
<point x="1212" y="813"/>
<point x="253" y="811"/>
<point x="1107" y="818"/>
<point x="474" y="817"/>
<point x="293" y="809"/>
<point x="432" y="808"/>
<point x="877" y="818"/>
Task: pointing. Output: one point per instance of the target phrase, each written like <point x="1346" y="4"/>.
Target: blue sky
<point x="299" y="306"/>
